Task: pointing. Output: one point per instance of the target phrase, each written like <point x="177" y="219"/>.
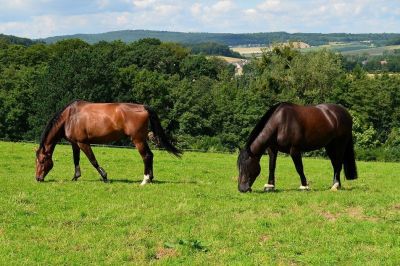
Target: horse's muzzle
<point x="244" y="188"/>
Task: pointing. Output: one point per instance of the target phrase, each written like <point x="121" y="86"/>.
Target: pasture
<point x="193" y="213"/>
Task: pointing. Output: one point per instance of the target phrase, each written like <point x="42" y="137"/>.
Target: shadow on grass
<point x="50" y="181"/>
<point x="306" y="191"/>
<point x="154" y="181"/>
<point x="120" y="180"/>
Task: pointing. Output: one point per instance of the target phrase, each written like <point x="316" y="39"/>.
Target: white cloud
<point x="102" y="4"/>
<point x="271" y="5"/>
<point x="38" y="27"/>
<point x="165" y="10"/>
<point x="222" y="6"/>
<point x="143" y="3"/>
<point x="196" y="9"/>
<point x="15" y="5"/>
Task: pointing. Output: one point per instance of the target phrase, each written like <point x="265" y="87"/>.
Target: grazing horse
<point x="82" y="123"/>
<point x="294" y="129"/>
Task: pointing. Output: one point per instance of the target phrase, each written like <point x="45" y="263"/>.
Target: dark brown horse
<point x="294" y="129"/>
<point x="83" y="123"/>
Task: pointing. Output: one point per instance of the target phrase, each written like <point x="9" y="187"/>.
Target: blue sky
<point x="43" y="18"/>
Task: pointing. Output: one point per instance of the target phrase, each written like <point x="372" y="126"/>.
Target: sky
<point x="45" y="18"/>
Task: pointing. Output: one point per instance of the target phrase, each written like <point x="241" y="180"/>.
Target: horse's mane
<point x="51" y="124"/>
<point x="261" y="124"/>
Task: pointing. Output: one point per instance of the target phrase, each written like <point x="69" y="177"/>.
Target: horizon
<point x="200" y="32"/>
<point x="49" y="18"/>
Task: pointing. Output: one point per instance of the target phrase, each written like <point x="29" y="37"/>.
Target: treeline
<point x="10" y="39"/>
<point x="212" y="48"/>
<point x="201" y="103"/>
<point x="231" y="39"/>
<point x="388" y="62"/>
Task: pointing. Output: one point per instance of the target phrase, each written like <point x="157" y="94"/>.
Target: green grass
<point x="372" y="51"/>
<point x="193" y="214"/>
<point x="353" y="48"/>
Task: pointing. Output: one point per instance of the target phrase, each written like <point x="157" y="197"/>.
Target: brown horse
<point x="82" y="123"/>
<point x="294" y="129"/>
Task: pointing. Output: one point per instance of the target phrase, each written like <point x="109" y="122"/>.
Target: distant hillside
<point x="229" y="38"/>
<point x="16" y="40"/>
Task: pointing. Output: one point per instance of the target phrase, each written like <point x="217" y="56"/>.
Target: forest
<point x="387" y="62"/>
<point x="232" y="39"/>
<point x="203" y="105"/>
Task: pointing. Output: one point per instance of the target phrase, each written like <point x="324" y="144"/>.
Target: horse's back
<point x="336" y="112"/>
<point x="311" y="127"/>
<point x="105" y="122"/>
<point x="327" y="115"/>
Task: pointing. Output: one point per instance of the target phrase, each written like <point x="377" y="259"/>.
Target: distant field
<point x="372" y="51"/>
<point x="352" y="48"/>
<point x="230" y="60"/>
<point x="248" y="51"/>
<point x="193" y="213"/>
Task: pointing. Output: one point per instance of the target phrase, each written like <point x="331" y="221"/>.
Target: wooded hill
<point x="230" y="39"/>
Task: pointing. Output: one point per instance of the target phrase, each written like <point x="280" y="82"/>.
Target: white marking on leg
<point x="146" y="180"/>
<point x="269" y="187"/>
<point x="304" y="187"/>
<point x="335" y="186"/>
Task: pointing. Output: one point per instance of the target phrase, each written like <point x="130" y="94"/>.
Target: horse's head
<point x="44" y="163"/>
<point x="249" y="169"/>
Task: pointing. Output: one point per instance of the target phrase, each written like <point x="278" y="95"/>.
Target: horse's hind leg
<point x="335" y="153"/>
<point x="89" y="153"/>
<point x="147" y="157"/>
<point x="296" y="157"/>
<point x="76" y="151"/>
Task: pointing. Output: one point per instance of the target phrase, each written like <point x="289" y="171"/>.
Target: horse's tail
<point x="159" y="133"/>
<point x="349" y="162"/>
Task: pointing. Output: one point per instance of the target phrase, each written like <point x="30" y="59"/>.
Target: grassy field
<point x="372" y="51"/>
<point x="193" y="213"/>
<point x="249" y="51"/>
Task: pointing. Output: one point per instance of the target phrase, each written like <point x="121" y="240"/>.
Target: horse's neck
<point x="55" y="135"/>
<point x="259" y="145"/>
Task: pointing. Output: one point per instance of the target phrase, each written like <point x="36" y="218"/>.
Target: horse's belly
<point x="304" y="143"/>
<point x="318" y="140"/>
<point x="94" y="134"/>
<point x="312" y="147"/>
<point x="105" y="138"/>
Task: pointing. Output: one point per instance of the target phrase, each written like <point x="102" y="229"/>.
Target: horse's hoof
<point x="335" y="187"/>
<point x="74" y="179"/>
<point x="269" y="188"/>
<point x="105" y="180"/>
<point x="145" y="182"/>
<point x="304" y="188"/>
<point x="146" y="179"/>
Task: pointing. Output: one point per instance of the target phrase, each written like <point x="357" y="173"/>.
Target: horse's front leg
<point x="296" y="157"/>
<point x="89" y="153"/>
<point x="147" y="157"/>
<point x="76" y="151"/>
<point x="270" y="186"/>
